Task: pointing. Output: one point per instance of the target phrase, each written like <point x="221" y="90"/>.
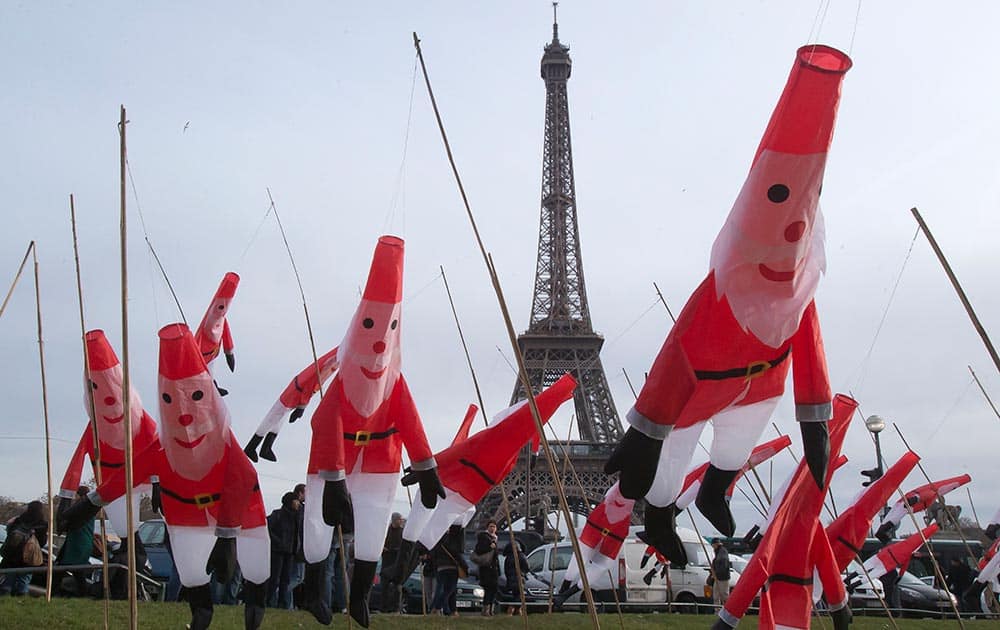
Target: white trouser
<point x="117" y="510"/>
<point x="191" y="547"/>
<point x="597" y="564"/>
<point x="372" y="495"/>
<point x="428" y="526"/>
<point x="273" y="421"/>
<point x="736" y="431"/>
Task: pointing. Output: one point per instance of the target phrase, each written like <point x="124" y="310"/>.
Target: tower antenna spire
<point x="555" y="22"/>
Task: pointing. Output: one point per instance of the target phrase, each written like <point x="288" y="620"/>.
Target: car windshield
<point x="908" y="579"/>
<point x="152" y="532"/>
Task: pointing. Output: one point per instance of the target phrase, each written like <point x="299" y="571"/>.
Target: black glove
<point x="76" y="515"/>
<point x="992" y="531"/>
<point x="337" y="508"/>
<point x="296" y="414"/>
<point x="851" y="582"/>
<point x="222" y="560"/>
<point x="156" y="500"/>
<point x="636" y="458"/>
<point x="430" y="485"/>
<point x="231" y="361"/>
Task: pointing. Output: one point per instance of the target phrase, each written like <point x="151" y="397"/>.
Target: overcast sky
<point x="668" y="101"/>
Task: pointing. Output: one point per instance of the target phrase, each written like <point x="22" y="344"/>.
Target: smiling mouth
<point x="372" y="374"/>
<point x="193" y="443"/>
<point x="114" y="420"/>
<point x="776" y="276"/>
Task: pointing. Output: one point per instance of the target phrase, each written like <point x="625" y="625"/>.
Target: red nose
<point x="378" y="347"/>
<point x="795" y="231"/>
<point x="109" y="400"/>
<point x="185" y="419"/>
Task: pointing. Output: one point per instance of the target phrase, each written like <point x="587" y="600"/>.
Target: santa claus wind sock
<point x="793" y="550"/>
<point x="108" y="413"/>
<point x="359" y="428"/>
<point x="727" y="357"/>
<point x="896" y="557"/>
<point x="916" y="501"/>
<point x="213" y="333"/>
<point x="993" y="527"/>
<point x="470" y="468"/>
<point x="211" y="499"/>
<point x="989" y="575"/>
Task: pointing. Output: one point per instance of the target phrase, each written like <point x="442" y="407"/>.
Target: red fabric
<point x="804" y="117"/>
<point x="300" y="391"/>
<point x="335" y="416"/>
<point x="385" y="278"/>
<point x="758" y="456"/>
<point x="795" y="545"/>
<point x="848" y="531"/>
<point x="213" y="331"/>
<point x="179" y="357"/>
<point x="897" y="555"/>
<point x="494" y="449"/>
<point x="921" y="498"/>
<point x="112" y="459"/>
<point x="233" y="478"/>
<point x="672" y="395"/>
<point x="992" y="551"/>
<point x="227" y="338"/>
<point x="600" y="533"/>
<point x="100" y="354"/>
<point x="463" y="429"/>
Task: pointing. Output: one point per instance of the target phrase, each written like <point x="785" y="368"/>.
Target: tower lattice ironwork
<point x="560" y="337"/>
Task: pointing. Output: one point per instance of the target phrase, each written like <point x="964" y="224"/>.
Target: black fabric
<point x="489" y="574"/>
<point x="748" y="371"/>
<point x="479" y="471"/>
<point x="284" y="530"/>
<point x="381" y="435"/>
<point x="604" y="532"/>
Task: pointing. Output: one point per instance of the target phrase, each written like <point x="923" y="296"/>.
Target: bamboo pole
<point x="90" y="405"/>
<point x="127" y="385"/>
<point x="983" y="389"/>
<point x="973" y="506"/>
<point x="45" y="416"/>
<point x="503" y="489"/>
<point x="522" y="371"/>
<point x="17" y="276"/>
<point x="664" y="302"/>
<point x="958" y="288"/>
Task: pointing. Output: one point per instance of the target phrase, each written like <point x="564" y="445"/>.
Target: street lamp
<point x="874" y="424"/>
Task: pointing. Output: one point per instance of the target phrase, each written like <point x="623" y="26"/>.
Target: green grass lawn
<point x="70" y="614"/>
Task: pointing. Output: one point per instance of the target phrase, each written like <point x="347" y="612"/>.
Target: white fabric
<point x="117" y="510"/>
<point x="452" y="510"/>
<point x="687" y="497"/>
<point x="253" y="552"/>
<point x="895" y="515"/>
<point x="875" y="568"/>
<point x="317" y="536"/>
<point x="190" y="548"/>
<point x="273" y="421"/>
<point x="597" y="564"/>
<point x="372" y="495"/>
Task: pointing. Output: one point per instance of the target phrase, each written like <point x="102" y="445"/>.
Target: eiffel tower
<point x="560" y="336"/>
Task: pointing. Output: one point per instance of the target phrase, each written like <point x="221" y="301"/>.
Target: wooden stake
<point x="90" y="405"/>
<point x="127" y="385"/>
<point x="958" y="289"/>
<point x="983" y="389"/>
<point x="664" y="302"/>
<point x="45" y="416"/>
<point x="17" y="276"/>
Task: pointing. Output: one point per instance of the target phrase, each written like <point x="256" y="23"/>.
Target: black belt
<point x="361" y="438"/>
<point x="201" y="500"/>
<point x="479" y="471"/>
<point x="791" y="579"/>
<point x="848" y="545"/>
<point x="605" y="532"/>
<point x="754" y="369"/>
<point x="105" y="464"/>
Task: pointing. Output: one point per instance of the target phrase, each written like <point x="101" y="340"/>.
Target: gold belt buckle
<point x="203" y="500"/>
<point x="605" y="532"/>
<point x="362" y="438"/>
<point x="763" y="365"/>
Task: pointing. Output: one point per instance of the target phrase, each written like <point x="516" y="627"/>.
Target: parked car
<point x="153" y="534"/>
<point x="919" y="599"/>
<point x="469" y="596"/>
<point x="866" y="596"/>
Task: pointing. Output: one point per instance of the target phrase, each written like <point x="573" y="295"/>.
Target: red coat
<point x="794" y="547"/>
<point x="708" y="338"/>
<point x="229" y="493"/>
<point x="339" y="433"/>
<point x="601" y="534"/>
<point x="848" y="531"/>
<point x="300" y="391"/>
<point x="897" y="555"/>
<point x="473" y="466"/>
<point x="922" y="498"/>
<point x="112" y="459"/>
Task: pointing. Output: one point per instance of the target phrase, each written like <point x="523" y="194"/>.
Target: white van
<point x="549" y="563"/>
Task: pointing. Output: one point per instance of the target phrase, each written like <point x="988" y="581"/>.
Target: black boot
<point x="566" y="590"/>
<point x="816" y="449"/>
<point x="406" y="562"/>
<point x="841" y="617"/>
<point x="721" y="625"/>
<point x="200" y="601"/>
<point x="313" y="582"/>
<point x="253" y="600"/>
<point x="886" y="532"/>
<point x="661" y="534"/>
<point x="993" y="530"/>
<point x="711" y="499"/>
<point x="265" y="449"/>
<point x="361" y="586"/>
<point x="648" y="578"/>
<point x="251" y="448"/>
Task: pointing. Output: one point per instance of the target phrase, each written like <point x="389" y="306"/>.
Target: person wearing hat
<point x="104" y="387"/>
<point x="209" y="492"/>
<point x="366" y="417"/>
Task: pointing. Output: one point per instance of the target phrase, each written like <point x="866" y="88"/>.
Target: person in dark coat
<point x="959" y="578"/>
<point x="19" y="530"/>
<point x="510" y="572"/>
<point x="489" y="573"/>
<point x="390" y="552"/>
<point x="283" y="528"/>
<point x="447" y="555"/>
<point x="77" y="548"/>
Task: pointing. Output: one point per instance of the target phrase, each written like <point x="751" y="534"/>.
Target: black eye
<point x="368" y="323"/>
<point x="93" y="384"/>
<point x="166" y="398"/>
<point x="777" y="193"/>
<point x="198" y="394"/>
<point x="222" y="306"/>
<point x="394" y="323"/>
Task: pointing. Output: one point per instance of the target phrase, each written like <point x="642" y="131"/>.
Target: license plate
<point x="463" y="604"/>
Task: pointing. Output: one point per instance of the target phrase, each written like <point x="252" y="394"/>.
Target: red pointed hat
<point x="100" y="354"/>
<point x="227" y="288"/>
<point x="179" y="355"/>
<point x="802" y="121"/>
<point x="385" y="279"/>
